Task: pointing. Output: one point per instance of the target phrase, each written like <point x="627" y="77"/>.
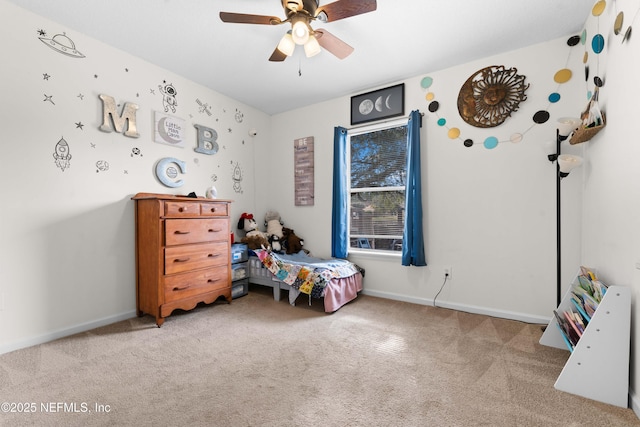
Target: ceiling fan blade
<point x="243" y="18"/>
<point x="277" y="56"/>
<point x="333" y="44"/>
<point x="341" y="9"/>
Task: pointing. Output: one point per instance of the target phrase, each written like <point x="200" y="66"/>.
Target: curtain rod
<point x="383" y="122"/>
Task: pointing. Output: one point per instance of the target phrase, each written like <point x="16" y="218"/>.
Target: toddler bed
<point x="338" y="281"/>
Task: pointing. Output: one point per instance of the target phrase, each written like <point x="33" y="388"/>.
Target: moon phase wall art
<point x="377" y="105"/>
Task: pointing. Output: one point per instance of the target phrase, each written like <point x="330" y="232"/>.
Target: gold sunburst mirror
<point x="490" y="95"/>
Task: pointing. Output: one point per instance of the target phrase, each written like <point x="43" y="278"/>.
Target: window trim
<point x="369" y="128"/>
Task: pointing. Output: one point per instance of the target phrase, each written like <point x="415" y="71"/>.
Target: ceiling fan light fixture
<point x="286" y="44"/>
<point x="294" y="5"/>
<point x="300" y="32"/>
<point x="312" y="47"/>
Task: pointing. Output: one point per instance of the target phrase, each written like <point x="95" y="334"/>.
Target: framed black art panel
<point x="377" y="105"/>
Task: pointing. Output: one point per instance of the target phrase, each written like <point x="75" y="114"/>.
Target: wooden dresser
<point x="182" y="253"/>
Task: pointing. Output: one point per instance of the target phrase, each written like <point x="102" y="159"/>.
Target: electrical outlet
<point x="446" y="273"/>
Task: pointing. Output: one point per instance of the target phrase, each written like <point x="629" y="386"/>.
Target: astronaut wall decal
<point x="169" y="94"/>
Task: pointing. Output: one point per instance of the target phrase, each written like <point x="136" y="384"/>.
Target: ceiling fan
<point x="300" y="13"/>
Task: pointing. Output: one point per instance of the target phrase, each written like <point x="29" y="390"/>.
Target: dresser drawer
<point x="185" y="231"/>
<point x="181" y="209"/>
<point x="186" y="285"/>
<point x="214" y="209"/>
<point x="184" y="258"/>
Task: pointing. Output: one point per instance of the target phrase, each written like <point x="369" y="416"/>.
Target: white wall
<point x="611" y="218"/>
<point x="489" y="213"/>
<point x="67" y="252"/>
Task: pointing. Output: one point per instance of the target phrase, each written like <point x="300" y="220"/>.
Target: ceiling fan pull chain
<point x="299" y="68"/>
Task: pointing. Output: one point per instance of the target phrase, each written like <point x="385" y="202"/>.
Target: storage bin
<point x="240" y="288"/>
<point x="239" y="252"/>
<point x="239" y="271"/>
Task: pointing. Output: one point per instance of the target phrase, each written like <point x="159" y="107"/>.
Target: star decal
<point x="79" y="125"/>
<point x="81" y="96"/>
<point x="46" y="76"/>
<point x="48" y="98"/>
<point x="42" y="32"/>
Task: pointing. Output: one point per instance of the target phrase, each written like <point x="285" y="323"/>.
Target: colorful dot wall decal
<point x="516" y="137"/>
<point x="598" y="8"/>
<point x="541" y="116"/>
<point x="426" y="82"/>
<point x="491" y="142"/>
<point x="563" y="75"/>
<point x="597" y="43"/>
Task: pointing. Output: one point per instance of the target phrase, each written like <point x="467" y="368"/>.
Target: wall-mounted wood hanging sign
<point x="303" y="171"/>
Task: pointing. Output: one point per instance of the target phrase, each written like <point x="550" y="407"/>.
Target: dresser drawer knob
<point x="181" y="288"/>
<point x="213" y="209"/>
<point x="180" y="209"/>
<point x="181" y="232"/>
<point x="213" y="280"/>
<point x="217" y="230"/>
<point x="213" y="255"/>
<point x="181" y="259"/>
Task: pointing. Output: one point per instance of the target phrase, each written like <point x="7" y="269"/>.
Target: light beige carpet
<point x="257" y="362"/>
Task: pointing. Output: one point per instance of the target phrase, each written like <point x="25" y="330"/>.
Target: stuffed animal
<point x="254" y="238"/>
<point x="292" y="243"/>
<point x="273" y="223"/>
<point x="274" y="241"/>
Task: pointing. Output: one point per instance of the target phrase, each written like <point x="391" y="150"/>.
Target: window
<point x="377" y="178"/>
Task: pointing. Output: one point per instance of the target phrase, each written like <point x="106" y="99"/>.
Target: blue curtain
<point x="412" y="236"/>
<point x="339" y="237"/>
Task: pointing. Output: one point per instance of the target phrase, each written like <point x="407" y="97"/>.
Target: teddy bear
<point x="292" y="243"/>
<point x="254" y="238"/>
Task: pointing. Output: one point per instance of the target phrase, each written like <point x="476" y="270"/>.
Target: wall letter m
<point x="110" y="117"/>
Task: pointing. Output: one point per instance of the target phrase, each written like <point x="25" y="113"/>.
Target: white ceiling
<point x="401" y="39"/>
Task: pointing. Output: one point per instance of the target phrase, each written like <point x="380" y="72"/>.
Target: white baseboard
<point x="512" y="315"/>
<point x="61" y="333"/>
